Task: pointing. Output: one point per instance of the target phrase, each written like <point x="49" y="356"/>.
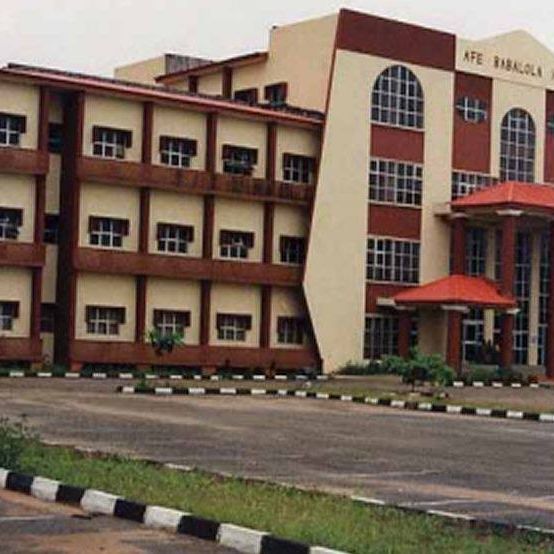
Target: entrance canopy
<point x="456" y="290"/>
<point x="509" y="195"/>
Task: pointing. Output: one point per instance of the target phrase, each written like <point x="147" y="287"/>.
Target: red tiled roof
<point x="509" y="195"/>
<point x="456" y="289"/>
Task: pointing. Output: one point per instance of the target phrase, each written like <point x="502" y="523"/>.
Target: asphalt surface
<point x="490" y="468"/>
<point x="29" y="526"/>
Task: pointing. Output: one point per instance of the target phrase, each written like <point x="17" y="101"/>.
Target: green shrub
<point x="14" y="439"/>
<point x="373" y="367"/>
<point x="164" y="342"/>
<point x="421" y="368"/>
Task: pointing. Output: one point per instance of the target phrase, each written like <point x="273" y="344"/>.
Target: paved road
<point x="28" y="526"/>
<point x="490" y="468"/>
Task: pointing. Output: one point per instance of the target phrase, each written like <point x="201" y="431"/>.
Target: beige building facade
<point x="276" y="208"/>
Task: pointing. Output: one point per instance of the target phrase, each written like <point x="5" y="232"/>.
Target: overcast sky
<point x="96" y="35"/>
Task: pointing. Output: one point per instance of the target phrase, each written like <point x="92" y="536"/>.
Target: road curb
<point x="93" y="501"/>
<point x="129" y="375"/>
<point x="430" y="407"/>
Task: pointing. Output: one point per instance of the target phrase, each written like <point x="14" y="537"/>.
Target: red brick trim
<point x="458" y="246"/>
<point x="368" y="34"/>
<point x="549" y="141"/>
<point x="114" y="262"/>
<point x="397" y="144"/>
<point x="21" y="349"/>
<point x="269" y="224"/>
<point x="20" y="161"/>
<point x="374" y="291"/>
<point x="265" y="317"/>
<point x="472" y="141"/>
<point x="201" y="355"/>
<point x="70" y="193"/>
<point x="205" y="312"/>
<point x="21" y="254"/>
<point x="394" y="221"/>
<point x="227" y="82"/>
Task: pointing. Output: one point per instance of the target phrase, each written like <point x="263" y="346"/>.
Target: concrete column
<point x="533" y="351"/>
<point x="404" y="330"/>
<point x="488" y="315"/>
<point x="509" y="228"/>
<point x="454" y="342"/>
<point x="458" y="244"/>
<point x="550" y="328"/>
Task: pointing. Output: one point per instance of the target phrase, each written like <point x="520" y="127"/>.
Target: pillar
<point x="404" y="331"/>
<point x="509" y="229"/>
<point x="550" y="326"/>
<point x="458" y="244"/>
<point x="454" y="338"/>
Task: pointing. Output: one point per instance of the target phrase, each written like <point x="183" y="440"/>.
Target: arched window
<point x="517" y="147"/>
<point x="397" y="98"/>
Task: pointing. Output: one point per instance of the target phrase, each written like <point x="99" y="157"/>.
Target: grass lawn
<point x="314" y="518"/>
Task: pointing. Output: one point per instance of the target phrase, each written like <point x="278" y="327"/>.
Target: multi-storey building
<point x="361" y="186"/>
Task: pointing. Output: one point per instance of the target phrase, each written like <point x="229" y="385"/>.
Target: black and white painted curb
<point x="430" y="407"/>
<point x="499" y="385"/>
<point x="93" y="501"/>
<point x="153" y="376"/>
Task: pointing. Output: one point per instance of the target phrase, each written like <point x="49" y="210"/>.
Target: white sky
<point x="96" y="35"/>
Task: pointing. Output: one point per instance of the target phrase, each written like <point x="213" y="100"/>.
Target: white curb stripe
<point x="280" y="377"/>
<point x="44" y="489"/>
<point x="322" y="395"/>
<point x="398" y="404"/>
<point x="163" y="390"/>
<point x="227" y="391"/>
<point x="258" y="392"/>
<point x="125" y="376"/>
<point x="128" y="390"/>
<point x="162" y="518"/>
<point x="44" y="374"/>
<point x="478" y="384"/>
<point x="483" y="411"/>
<point x="546" y="417"/>
<point x="497" y="385"/>
<point x="458" y="384"/>
<point x="98" y="502"/>
<point x="301" y="393"/>
<point x="3" y="478"/>
<point x="193" y="391"/>
<point x="321" y="550"/>
<point x="346" y="398"/>
<point x="372" y="501"/>
<point x="241" y="538"/>
<point x="425" y="406"/>
<point x="453" y="409"/>
<point x="99" y="376"/>
<point x="72" y="375"/>
<point x="176" y="377"/>
<point x="259" y="378"/>
<point x="514" y="415"/>
<point x="17" y="374"/>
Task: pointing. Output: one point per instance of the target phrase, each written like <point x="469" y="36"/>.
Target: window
<point x="292" y="249"/>
<point x="171" y="322"/>
<point x="110" y="143"/>
<point x="11" y="219"/>
<point x="239" y="160"/>
<point x="522" y="292"/>
<point x="550" y="124"/>
<point x="233" y="327"/>
<point x="544" y="276"/>
<point x="55" y="144"/>
<point x="47" y="318"/>
<point x="473" y="335"/>
<point x="298" y="169"/>
<point x="103" y="320"/>
<point x="392" y="260"/>
<point x="472" y="110"/>
<point x="174" y="238"/>
<point x="476" y="251"/>
<point x="381" y="336"/>
<point x="517" y="147"/>
<point x="8" y="312"/>
<point x="235" y="244"/>
<point x="107" y="231"/>
<point x="276" y="94"/>
<point x="467" y="183"/>
<point x="290" y="330"/>
<point x="249" y="95"/>
<point x="397" y="98"/>
<point x="11" y="128"/>
<point x="395" y="182"/>
<point x="177" y="152"/>
<point x="51" y="228"/>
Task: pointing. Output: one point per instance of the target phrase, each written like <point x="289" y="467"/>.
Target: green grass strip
<point x="313" y="518"/>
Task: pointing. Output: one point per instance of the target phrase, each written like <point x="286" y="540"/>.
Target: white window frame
<point x="174" y="238"/>
<point x="381" y="336"/>
<point x="394" y="260"/>
<point x="397" y="99"/>
<point x="110" y="145"/>
<point x="9" y="226"/>
<point x="108" y="231"/>
<point x="395" y="182"/>
<point x="169" y="325"/>
<point x="518" y="146"/>
<point x="289" y="328"/>
<point x="231" y="329"/>
<point x="476" y="251"/>
<point x="237" y="249"/>
<point x="298" y="169"/>
<point x="295" y="252"/>
<point x="105" y="317"/>
<point x="9" y="129"/>
<point x="176" y="153"/>
<point x="465" y="183"/>
<point x="6" y="316"/>
<point x="472" y="110"/>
